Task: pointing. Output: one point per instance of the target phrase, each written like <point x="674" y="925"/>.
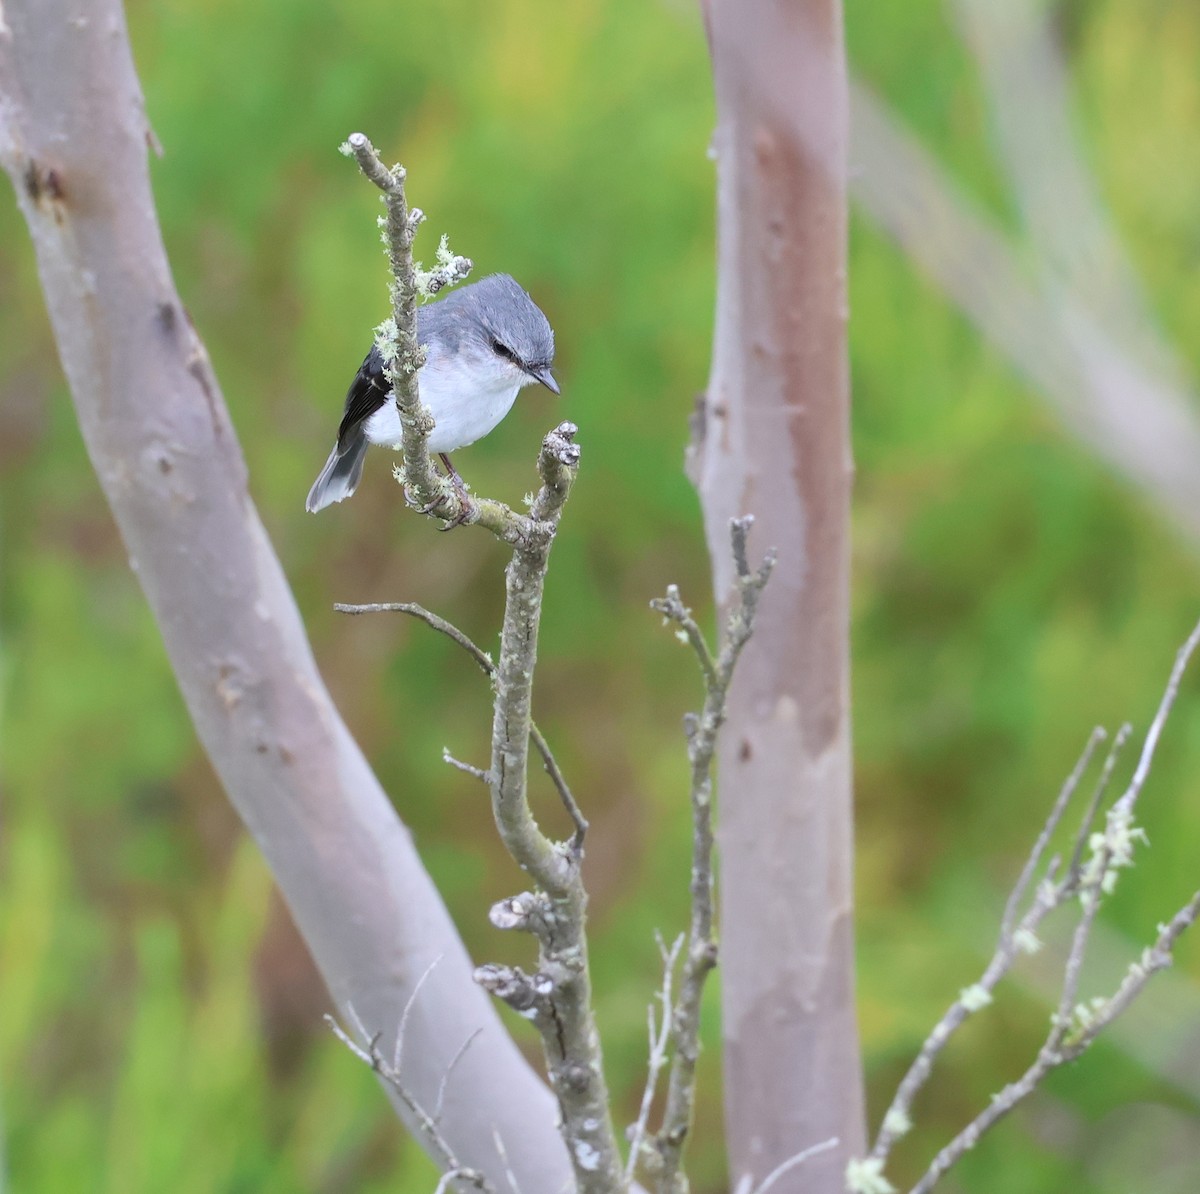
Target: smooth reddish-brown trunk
<point x="775" y="443"/>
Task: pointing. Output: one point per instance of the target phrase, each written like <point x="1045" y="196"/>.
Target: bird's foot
<point x="466" y="503"/>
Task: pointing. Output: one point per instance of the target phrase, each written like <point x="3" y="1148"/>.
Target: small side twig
<point x="488" y="667"/>
<point x="1073" y="781"/>
<point x="785" y="1167"/>
<point x="701" y="730"/>
<point x="478" y="773"/>
<point x="426" y="1125"/>
<point x="498" y="1140"/>
<point x="659" y="1033"/>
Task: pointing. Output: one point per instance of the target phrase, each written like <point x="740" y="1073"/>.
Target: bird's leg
<point x="465" y="501"/>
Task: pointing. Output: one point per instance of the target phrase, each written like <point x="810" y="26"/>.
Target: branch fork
<point x="1091" y="872"/>
<point x="661" y="1153"/>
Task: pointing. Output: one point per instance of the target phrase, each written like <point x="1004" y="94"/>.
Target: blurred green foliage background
<point x="159" y="1022"/>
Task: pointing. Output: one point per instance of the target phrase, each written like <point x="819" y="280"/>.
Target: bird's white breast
<point x="467" y="398"/>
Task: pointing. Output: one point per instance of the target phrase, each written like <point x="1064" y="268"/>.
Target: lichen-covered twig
<point x="557" y="999"/>
<point x="525" y="580"/>
<point x="1090" y="874"/>
<point x="488" y="667"/>
<point x="397" y="337"/>
<point x="665" y="1148"/>
<point x="424" y="488"/>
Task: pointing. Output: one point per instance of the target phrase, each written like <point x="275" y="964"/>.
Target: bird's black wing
<point x="368" y="392"/>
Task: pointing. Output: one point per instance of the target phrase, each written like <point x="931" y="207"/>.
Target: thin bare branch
<point x="552" y="769"/>
<point x="1158" y="957"/>
<point x="659" y="1032"/>
<point x="1146" y="758"/>
<point x="402" y="1032"/>
<point x="558" y="997"/>
<point x="452" y="1175"/>
<point x="701" y="957"/>
<point x="478" y="773"/>
<point x="1098" y="794"/>
<point x="1015" y="900"/>
<point x="791" y="1163"/>
<point x="499" y="1142"/>
<point x="439" y="624"/>
<point x="426" y="1125"/>
<point x="444" y="1084"/>
<point x="1090" y="1020"/>
<point x="488" y="667"/>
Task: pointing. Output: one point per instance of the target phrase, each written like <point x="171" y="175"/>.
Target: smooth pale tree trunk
<point x="773" y="441"/>
<point x="73" y="139"/>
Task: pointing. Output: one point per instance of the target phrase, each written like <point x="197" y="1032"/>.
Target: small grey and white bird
<point x="483" y="343"/>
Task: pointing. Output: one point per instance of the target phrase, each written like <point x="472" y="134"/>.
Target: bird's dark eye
<point x="503" y="350"/>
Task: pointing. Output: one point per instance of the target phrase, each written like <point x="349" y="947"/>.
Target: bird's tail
<point x="340" y="476"/>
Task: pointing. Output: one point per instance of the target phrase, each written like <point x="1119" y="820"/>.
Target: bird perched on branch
<point x="483" y="343"/>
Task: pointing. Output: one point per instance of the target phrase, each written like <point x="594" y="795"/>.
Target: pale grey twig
<point x="787" y="1166"/>
<point x="409" y="1004"/>
<point x="1098" y="794"/>
<point x="449" y="1176"/>
<point x="1089" y="1022"/>
<point x="558" y="997"/>
<point x="431" y="619"/>
<point x="499" y="1142"/>
<point x="701" y="957"/>
<point x="1146" y="758"/>
<point x="660" y="1038"/>
<point x="469" y="769"/>
<point x="1039" y="849"/>
<point x="513" y="676"/>
<point x="488" y="667"/>
<point x="427" y="1126"/>
<point x="397" y="338"/>
<point x="450" y="269"/>
<point x="445" y="1082"/>
<point x="1015" y="938"/>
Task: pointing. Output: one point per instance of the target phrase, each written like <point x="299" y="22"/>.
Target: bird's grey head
<point x="495" y="319"/>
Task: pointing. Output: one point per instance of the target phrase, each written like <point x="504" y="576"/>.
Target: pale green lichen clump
<point x="865" y="1176"/>
<point x="974" y="997"/>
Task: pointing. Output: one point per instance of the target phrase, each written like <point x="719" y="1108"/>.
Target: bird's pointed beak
<point x="546" y="378"/>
